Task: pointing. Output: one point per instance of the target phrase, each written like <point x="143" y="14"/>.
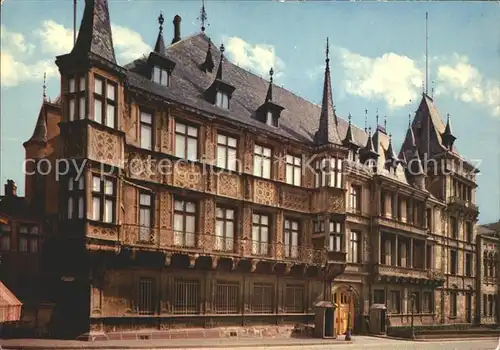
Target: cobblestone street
<point x="359" y="342"/>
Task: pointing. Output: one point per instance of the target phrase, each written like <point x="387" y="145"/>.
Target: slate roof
<point x="94" y="35"/>
<point x="299" y="120"/>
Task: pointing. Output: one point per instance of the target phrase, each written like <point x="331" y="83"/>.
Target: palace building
<point x="201" y="195"/>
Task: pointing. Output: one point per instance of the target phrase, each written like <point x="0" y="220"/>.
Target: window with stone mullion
<point x="105" y="97"/>
<point x="103" y="199"/>
<point x="76" y="98"/>
<point x="76" y="197"/>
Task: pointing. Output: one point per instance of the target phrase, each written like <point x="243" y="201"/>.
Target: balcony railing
<point x="170" y="240"/>
<point x="455" y="200"/>
<point x="399" y="271"/>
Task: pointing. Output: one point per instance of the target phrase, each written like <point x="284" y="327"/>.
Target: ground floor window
<point x="262" y="298"/>
<point x="395" y="302"/>
<point x="227" y="297"/>
<point x="294" y="299"/>
<point x="379" y="296"/>
<point x="146" y="296"/>
<point x="186" y="296"/>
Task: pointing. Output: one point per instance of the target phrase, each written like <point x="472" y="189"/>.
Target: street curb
<point x="167" y="346"/>
<point x="434" y="340"/>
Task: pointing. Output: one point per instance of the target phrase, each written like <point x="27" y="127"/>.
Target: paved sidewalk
<point x="27" y="344"/>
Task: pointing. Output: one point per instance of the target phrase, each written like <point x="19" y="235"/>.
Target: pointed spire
<point x="415" y="164"/>
<point x="349" y="137"/>
<point x="219" y="70"/>
<point x="390" y="154"/>
<point x="209" y="64"/>
<point x="327" y="131"/>
<point x="366" y="120"/>
<point x="203" y="16"/>
<point x="44" y="94"/>
<point x="269" y="96"/>
<point x="410" y="141"/>
<point x="160" y="42"/>
<point x="94" y="36"/>
<point x="369" y="150"/>
<point x="448" y="137"/>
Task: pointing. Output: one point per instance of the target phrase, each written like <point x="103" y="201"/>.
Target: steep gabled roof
<point x="94" y="35"/>
<point x="299" y="119"/>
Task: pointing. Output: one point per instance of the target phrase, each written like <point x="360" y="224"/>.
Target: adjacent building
<point x="488" y="245"/>
<point x="199" y="194"/>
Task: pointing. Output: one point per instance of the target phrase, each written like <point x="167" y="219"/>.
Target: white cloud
<point x="394" y="78"/>
<point x="54" y="39"/>
<point x="259" y="57"/>
<point x="14" y="50"/>
<point x="461" y="80"/>
<point x="128" y="44"/>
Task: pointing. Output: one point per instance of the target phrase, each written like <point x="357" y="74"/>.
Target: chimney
<point x="10" y="189"/>
<point x="177" y="29"/>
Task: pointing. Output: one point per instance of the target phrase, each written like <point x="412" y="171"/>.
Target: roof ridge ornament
<point x="44" y="87"/>
<point x="203" y="17"/>
<point x="160" y="47"/>
<point x="269" y="96"/>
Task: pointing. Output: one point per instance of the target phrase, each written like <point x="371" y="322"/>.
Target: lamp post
<point x="348" y="331"/>
<point x="412" y="314"/>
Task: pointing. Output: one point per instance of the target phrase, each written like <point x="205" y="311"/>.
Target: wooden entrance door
<point x="341" y="298"/>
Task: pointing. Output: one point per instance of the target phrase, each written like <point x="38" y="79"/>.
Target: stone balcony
<point x="401" y="274"/>
<point x="198" y="244"/>
<point x="398" y="225"/>
<point x="458" y="202"/>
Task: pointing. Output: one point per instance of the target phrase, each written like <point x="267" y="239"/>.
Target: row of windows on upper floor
<point x="28" y="238"/>
<point x="186" y="215"/>
<point x="186" y="141"/>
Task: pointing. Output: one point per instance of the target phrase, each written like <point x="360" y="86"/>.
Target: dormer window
<point x="161" y="76"/>
<point x="222" y="99"/>
<point x="269" y="112"/>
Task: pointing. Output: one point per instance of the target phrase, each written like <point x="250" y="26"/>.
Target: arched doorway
<point x="346" y="298"/>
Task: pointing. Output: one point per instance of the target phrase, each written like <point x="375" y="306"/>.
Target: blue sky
<point x="377" y="60"/>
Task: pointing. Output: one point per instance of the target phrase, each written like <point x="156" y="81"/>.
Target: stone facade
<point x="487" y="242"/>
<point x="156" y="232"/>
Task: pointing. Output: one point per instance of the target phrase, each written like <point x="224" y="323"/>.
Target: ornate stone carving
<point x="209" y="145"/>
<point x="165" y="217"/>
<point x="168" y="259"/>
<point x="235" y="262"/>
<point x="281" y="165"/>
<point x="247" y="223"/>
<point x="187" y="175"/>
<point x="192" y="260"/>
<point x="141" y="166"/>
<point x="248" y="188"/>
<point x="336" y="203"/>
<point x="210" y="179"/>
<point x="295" y="199"/>
<point x="209" y="217"/>
<point x="104" y="147"/>
<point x="228" y="185"/>
<point x="248" y="157"/>
<point x="102" y="232"/>
<point x="265" y="192"/>
<point x="215" y="262"/>
<point x="254" y="264"/>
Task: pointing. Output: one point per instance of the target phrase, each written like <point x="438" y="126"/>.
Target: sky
<point x="377" y="59"/>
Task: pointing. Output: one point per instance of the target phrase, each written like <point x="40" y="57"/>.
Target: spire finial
<point x="161" y="20"/>
<point x="423" y="87"/>
<point x="366" y="119"/>
<point x="271" y="72"/>
<point x="377" y="117"/>
<point x="327" y="51"/>
<point x="370" y="130"/>
<point x="432" y="90"/>
<point x="385" y="122"/>
<point x="44" y="94"/>
<point x="409" y="120"/>
<point x="349" y="117"/>
<point x="203" y="16"/>
<point x="222" y="49"/>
